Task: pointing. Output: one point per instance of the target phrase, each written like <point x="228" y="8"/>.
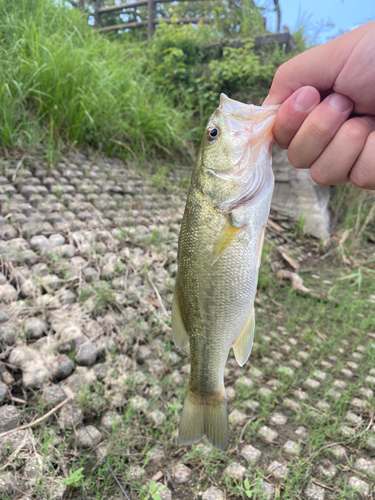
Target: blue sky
<point x="345" y="14"/>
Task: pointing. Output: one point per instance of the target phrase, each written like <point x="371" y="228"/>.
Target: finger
<point x="293" y="113"/>
<point x="363" y="172"/>
<point x="334" y="164"/>
<point x="318" y="67"/>
<point x="318" y="129"/>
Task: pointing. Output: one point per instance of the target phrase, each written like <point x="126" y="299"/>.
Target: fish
<point x="219" y="254"/>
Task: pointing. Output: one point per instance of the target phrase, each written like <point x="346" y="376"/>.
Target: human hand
<point x="320" y="90"/>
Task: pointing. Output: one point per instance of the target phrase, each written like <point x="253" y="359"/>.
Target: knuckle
<point x="355" y="130"/>
<point x="295" y="159"/>
<point x="318" y="127"/>
<point x="319" y="174"/>
<point x="362" y="174"/>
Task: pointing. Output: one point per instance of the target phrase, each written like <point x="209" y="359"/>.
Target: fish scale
<point x="220" y="245"/>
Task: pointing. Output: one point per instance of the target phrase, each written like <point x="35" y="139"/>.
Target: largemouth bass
<point x="219" y="254"/>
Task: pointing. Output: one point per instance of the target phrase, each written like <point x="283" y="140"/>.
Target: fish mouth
<point x="252" y="169"/>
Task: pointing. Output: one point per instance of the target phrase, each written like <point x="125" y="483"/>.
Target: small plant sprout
<point x="153" y="491"/>
<point x="75" y="478"/>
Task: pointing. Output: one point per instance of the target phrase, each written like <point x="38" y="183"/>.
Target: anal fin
<point x="225" y="238"/>
<point x="179" y="334"/>
<point x="244" y="342"/>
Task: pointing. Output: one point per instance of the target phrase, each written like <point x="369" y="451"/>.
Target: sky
<point x="345" y="14"/>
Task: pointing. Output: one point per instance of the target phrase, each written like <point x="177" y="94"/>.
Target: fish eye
<point x="212" y="134"/>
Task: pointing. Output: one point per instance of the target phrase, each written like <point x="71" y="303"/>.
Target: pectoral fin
<point x="244" y="342"/>
<point x="226" y="236"/>
<point x="179" y="334"/>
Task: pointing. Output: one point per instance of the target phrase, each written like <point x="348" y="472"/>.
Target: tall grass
<point x="60" y="79"/>
<point x="354" y="210"/>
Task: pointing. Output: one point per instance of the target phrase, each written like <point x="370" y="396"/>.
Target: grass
<point x="62" y="82"/>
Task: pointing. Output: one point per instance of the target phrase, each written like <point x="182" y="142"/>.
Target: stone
<point x="320" y="375"/>
<point x="90" y="274"/>
<point x="334" y="394"/>
<point x="292" y="448"/>
<point x="371" y="442"/>
<point x="251" y="454"/>
<point x="3" y="317"/>
<point x="39" y="242"/>
<point x="56" y="240"/>
<point x="213" y="493"/>
<point x="265" y="392"/>
<point x="360" y="404"/>
<point x="144" y="352"/>
<point x="70" y="416"/>
<point x="139" y="403"/>
<point x="244" y="382"/>
<point x="156" y="455"/>
<point x="3" y="392"/>
<point x="136" y="472"/>
<point x="17" y="440"/>
<point x="9" y="418"/>
<point x="359" y="486"/>
<point x="8" y="293"/>
<point x="178" y="380"/>
<point x="327" y="470"/>
<point x="8" y="336"/>
<point x="301" y="432"/>
<point x="353" y="418"/>
<point x="235" y="470"/>
<point x="367" y="393"/>
<point x="62" y="367"/>
<point x="35" y="328"/>
<point x="291" y="405"/>
<point x="315" y="492"/>
<point x="310" y="383"/>
<point x="365" y="465"/>
<point x="252" y="405"/>
<point x="347" y="373"/>
<point x="52" y="395"/>
<point x="277" y="470"/>
<point x="338" y="452"/>
<point x="157" y="417"/>
<point x="35" y="376"/>
<point x="323" y="405"/>
<point x="269" y="435"/>
<point x="51" y="283"/>
<point x="255" y="372"/>
<point x="110" y="420"/>
<point x="86" y="355"/>
<point x="9" y="484"/>
<point x="237" y="417"/>
<point x="266" y="489"/>
<point x="181" y="473"/>
<point x="301" y="395"/>
<point x="163" y="492"/>
<point x="88" y="435"/>
<point x="67" y="298"/>
<point x="346" y="431"/>
<point x="278" y="419"/>
<point x="296" y="195"/>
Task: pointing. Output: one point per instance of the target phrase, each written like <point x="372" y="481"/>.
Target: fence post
<point x="151" y="7"/>
<point x="97" y="15"/>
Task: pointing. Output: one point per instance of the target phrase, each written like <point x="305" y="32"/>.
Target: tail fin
<point x="204" y="419"/>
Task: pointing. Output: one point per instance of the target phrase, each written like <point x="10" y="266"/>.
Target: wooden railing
<point x="282" y="39"/>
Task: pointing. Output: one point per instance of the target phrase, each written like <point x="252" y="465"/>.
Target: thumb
<point x="318" y="67"/>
